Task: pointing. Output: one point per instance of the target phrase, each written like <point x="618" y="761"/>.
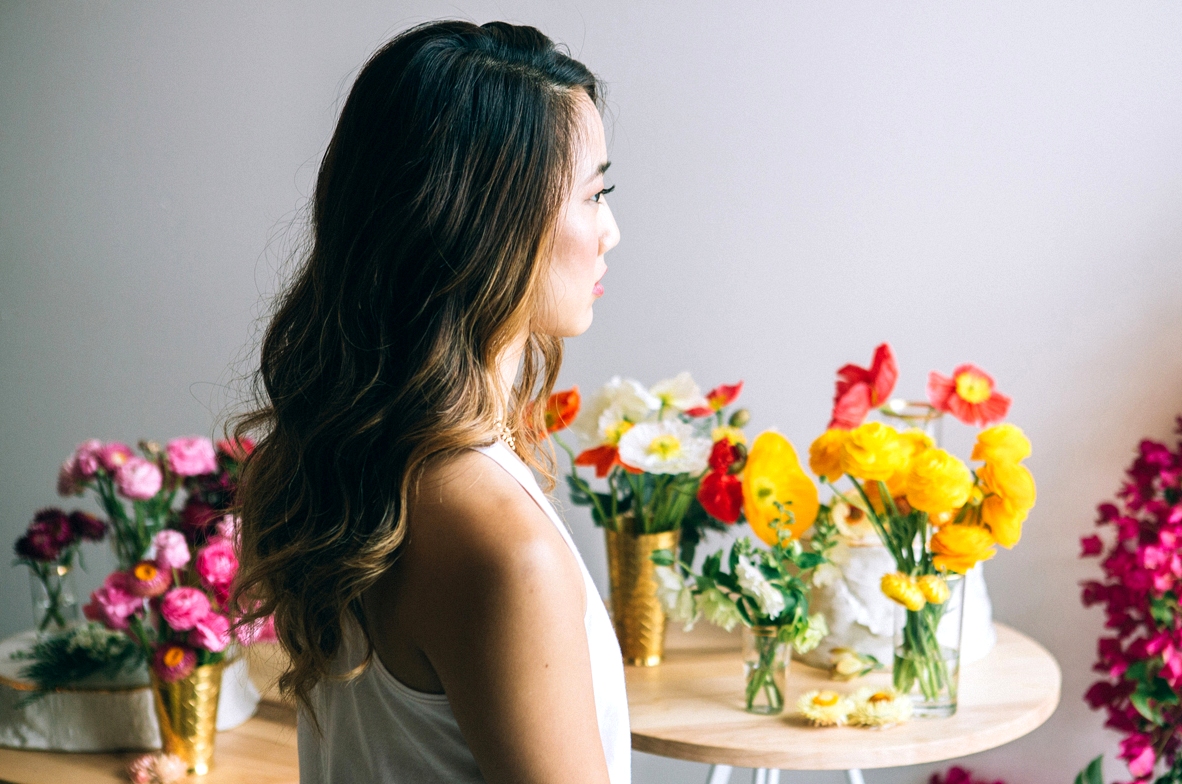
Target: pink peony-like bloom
<point x="111" y="456"/>
<point x="212" y="633"/>
<point x="228" y="528"/>
<point x="69" y="482"/>
<point x="148" y="580"/>
<point x="183" y="607"/>
<point x="172" y="552"/>
<point x="235" y="448"/>
<point x="173" y="662"/>
<point x="191" y="456"/>
<point x="138" y="479"/>
<point x="86" y="458"/>
<point x="217" y="564"/>
<point x="113" y="603"/>
<point x="262" y="630"/>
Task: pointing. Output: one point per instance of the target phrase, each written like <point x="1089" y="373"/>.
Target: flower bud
<point x="902" y="589"/>
<point x="740" y="418"/>
<point x="933" y="588"/>
<point x="740" y="461"/>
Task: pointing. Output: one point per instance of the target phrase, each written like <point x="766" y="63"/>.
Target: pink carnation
<point x="138" y="479"/>
<point x="113" y="455"/>
<point x="172" y="552"/>
<point x="114" y="603"/>
<point x="86" y="457"/>
<point x="211" y="633"/>
<point x="191" y="456"/>
<point x="183" y="607"/>
<point x="217" y="564"/>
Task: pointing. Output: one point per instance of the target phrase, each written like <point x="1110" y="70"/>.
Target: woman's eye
<point x="596" y="198"/>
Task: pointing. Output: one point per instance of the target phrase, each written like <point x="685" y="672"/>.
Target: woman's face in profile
<point x="586" y="230"/>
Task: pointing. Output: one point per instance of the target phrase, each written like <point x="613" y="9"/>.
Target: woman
<point x="441" y="625"/>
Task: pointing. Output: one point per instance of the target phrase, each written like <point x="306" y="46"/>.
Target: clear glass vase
<point x="927" y="652"/>
<point x="765" y="664"/>
<point x="55" y="600"/>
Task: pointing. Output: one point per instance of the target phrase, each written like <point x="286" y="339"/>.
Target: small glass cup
<point x="927" y="652"/>
<point x="765" y="664"/>
<point x="55" y="600"/>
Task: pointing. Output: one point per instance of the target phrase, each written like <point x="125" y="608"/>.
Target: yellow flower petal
<point x="773" y="474"/>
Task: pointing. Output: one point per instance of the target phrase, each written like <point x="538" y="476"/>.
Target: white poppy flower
<point x="630" y="402"/>
<point x="755" y="585"/>
<point x="678" y="393"/>
<point x="669" y="447"/>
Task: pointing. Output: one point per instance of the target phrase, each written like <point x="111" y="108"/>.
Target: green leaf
<point x="1093" y="773"/>
<point x="810" y="560"/>
<point x="663" y="557"/>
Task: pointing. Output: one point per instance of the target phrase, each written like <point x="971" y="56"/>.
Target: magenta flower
<point x="183" y="607"/>
<point x="148" y="580"/>
<point x="236" y="449"/>
<point x="191" y="456"/>
<point x="87" y="526"/>
<point x="261" y="630"/>
<point x="172" y="552"/>
<point x="228" y="528"/>
<point x="212" y="633"/>
<point x="86" y="458"/>
<point x="138" y="479"/>
<point x="113" y="603"/>
<point x="56" y="523"/>
<point x="196" y="518"/>
<point x="173" y="662"/>
<point x="113" y="455"/>
<point x="37" y="545"/>
<point x="217" y="564"/>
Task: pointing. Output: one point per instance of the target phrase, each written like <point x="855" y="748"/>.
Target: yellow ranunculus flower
<point x="1009" y="496"/>
<point x="825" y="454"/>
<point x="1004" y="443"/>
<point x="959" y="548"/>
<point x="902" y="588"/>
<point x="773" y="474"/>
<point x="938" y="482"/>
<point x="873" y="452"/>
<point x="933" y="588"/>
<point x="915" y="442"/>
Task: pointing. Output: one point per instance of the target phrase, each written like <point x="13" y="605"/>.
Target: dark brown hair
<point x="432" y="216"/>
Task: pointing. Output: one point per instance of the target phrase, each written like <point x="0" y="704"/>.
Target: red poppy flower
<point x="969" y="395"/>
<point x="718" y="398"/>
<point x="860" y="389"/>
<point x="723" y="455"/>
<point x="561" y="409"/>
<point x="721" y="495"/>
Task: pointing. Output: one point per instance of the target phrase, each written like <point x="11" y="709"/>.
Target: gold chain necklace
<point x="505" y="434"/>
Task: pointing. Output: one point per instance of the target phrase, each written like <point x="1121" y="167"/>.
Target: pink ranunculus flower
<point x="113" y="603"/>
<point x="228" y="528"/>
<point x="191" y="456"/>
<point x="172" y="552"/>
<point x="138" y="479"/>
<point x="211" y="633"/>
<point x="217" y="564"/>
<point x="183" y="607"/>
<point x="262" y="630"/>
<point x="86" y="457"/>
<point x="114" y="454"/>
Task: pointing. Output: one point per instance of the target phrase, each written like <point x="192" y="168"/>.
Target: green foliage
<point x="77" y="653"/>
<point x="1093" y="773"/>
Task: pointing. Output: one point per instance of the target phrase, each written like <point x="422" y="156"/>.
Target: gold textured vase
<point x="188" y="714"/>
<point x="636" y="610"/>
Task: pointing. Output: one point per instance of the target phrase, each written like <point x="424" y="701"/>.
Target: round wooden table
<point x="691" y="708"/>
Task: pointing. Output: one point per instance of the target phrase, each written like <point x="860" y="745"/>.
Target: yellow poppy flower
<point x="958" y="548"/>
<point x="938" y="482"/>
<point x="773" y="474"/>
<point x="873" y="452"/>
<point x="1003" y="443"/>
<point x="825" y="454"/>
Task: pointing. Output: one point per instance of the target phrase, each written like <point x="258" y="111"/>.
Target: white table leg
<point x="773" y="776"/>
<point x="855" y="776"/>
<point x="719" y="774"/>
<point x="759" y="776"/>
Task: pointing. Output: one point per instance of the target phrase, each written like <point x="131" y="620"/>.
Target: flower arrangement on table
<point x="1142" y="658"/>
<point x="49" y="548"/>
<point x="937" y="517"/>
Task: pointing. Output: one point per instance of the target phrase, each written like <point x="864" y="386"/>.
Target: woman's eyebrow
<point x="600" y="169"/>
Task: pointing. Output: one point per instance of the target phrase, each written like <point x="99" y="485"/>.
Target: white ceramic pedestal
<point x="100" y="715"/>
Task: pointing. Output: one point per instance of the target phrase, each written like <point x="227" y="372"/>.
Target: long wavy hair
<point x="432" y="218"/>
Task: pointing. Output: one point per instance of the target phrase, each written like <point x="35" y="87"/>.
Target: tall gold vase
<point x="188" y="714"/>
<point x="636" y="611"/>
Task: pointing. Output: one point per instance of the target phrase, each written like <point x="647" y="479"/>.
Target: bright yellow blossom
<point x="933" y="588"/>
<point x="958" y="548"/>
<point x="1003" y="443"/>
<point x="938" y="482"/>
<point x="732" y="434"/>
<point x="902" y="589"/>
<point x="1009" y="496"/>
<point x="873" y="452"/>
<point x="825" y="454"/>
<point x="773" y="475"/>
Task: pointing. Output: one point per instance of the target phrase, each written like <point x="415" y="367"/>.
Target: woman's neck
<point x="510" y="362"/>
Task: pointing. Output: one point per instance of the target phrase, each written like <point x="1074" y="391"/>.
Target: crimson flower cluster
<point x="1141" y="652"/>
<point x="53" y="536"/>
<point x="958" y="775"/>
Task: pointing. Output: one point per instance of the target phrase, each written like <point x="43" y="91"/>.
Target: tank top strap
<point x="509" y="461"/>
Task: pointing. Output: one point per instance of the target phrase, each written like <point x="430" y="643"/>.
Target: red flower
<point x="723" y="455"/>
<point x="1091" y="546"/>
<point x="718" y="398"/>
<point x="860" y="389"/>
<point x="561" y="409"/>
<point x="235" y="448"/>
<point x="969" y="395"/>
<point x="721" y="495"/>
<point x="87" y="526"/>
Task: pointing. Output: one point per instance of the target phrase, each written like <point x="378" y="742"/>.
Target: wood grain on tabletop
<point x="691" y="708"/>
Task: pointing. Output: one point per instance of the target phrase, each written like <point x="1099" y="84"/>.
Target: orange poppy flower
<point x="969" y="395"/>
<point x="860" y="389"/>
<point x="561" y="409"/>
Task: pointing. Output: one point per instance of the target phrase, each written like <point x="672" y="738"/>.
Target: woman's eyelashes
<point x="596" y="198"/>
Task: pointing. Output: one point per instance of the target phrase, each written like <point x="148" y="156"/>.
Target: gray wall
<point x="997" y="183"/>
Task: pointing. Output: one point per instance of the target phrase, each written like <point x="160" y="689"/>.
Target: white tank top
<point x="376" y="729"/>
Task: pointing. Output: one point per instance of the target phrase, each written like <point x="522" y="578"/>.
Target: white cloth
<point x="376" y="729"/>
